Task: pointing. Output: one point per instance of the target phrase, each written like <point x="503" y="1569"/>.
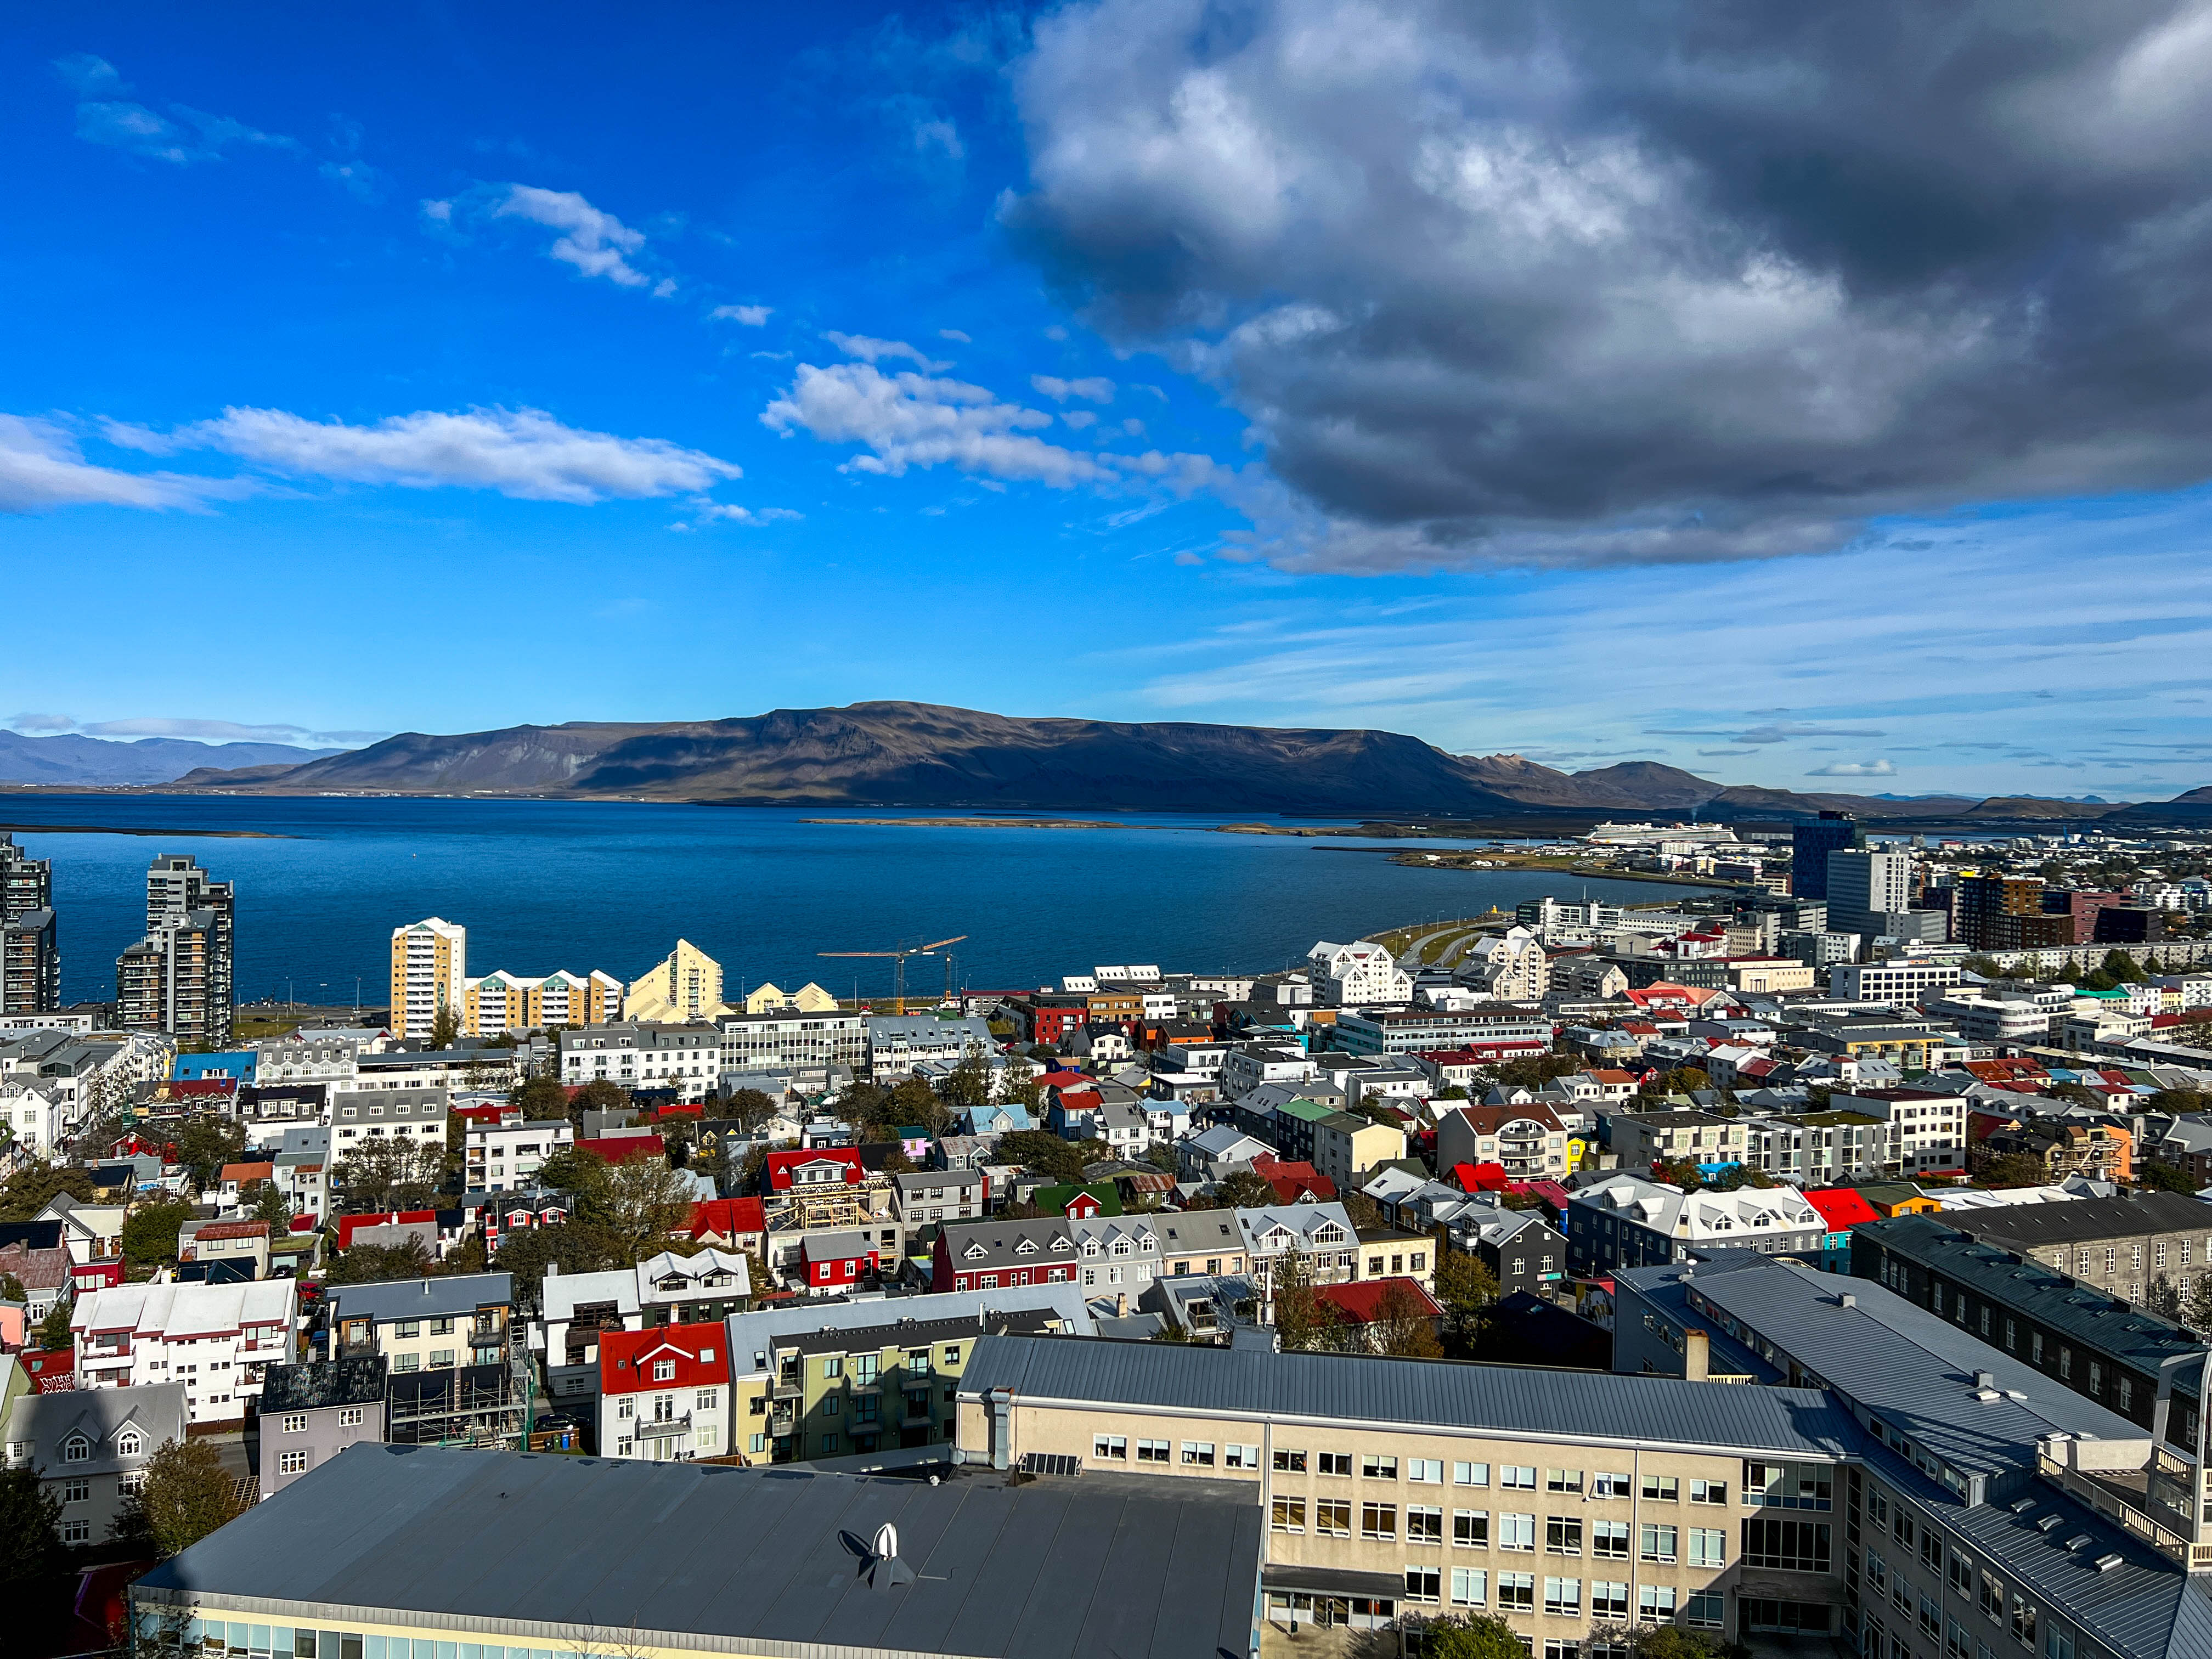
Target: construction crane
<point x="898" y="963"/>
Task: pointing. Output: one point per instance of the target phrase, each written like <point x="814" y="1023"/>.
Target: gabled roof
<point x="1362" y="1300"/>
<point x="155" y="1410"/>
<point x="728" y="1217"/>
<point x="1841" y="1207"/>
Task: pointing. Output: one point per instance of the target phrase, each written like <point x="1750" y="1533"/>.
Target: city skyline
<point x="723" y="365"/>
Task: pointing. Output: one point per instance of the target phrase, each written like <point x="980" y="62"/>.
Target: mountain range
<point x="69" y="758"/>
<point x="924" y="755"/>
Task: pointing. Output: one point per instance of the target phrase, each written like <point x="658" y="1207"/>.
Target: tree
<point x="54" y="1335"/>
<point x="2006" y="1170"/>
<point x="269" y="1205"/>
<point x="185" y="1495"/>
<point x="2164" y="1177"/>
<point x="390" y="1175"/>
<point x="1985" y="967"/>
<point x="576" y="1247"/>
<point x="445" y="1027"/>
<point x="1453" y="1091"/>
<point x="2098" y="980"/>
<point x="1305" y="1319"/>
<point x="540" y="1096"/>
<point x="601" y="1096"/>
<point x="379" y="1264"/>
<point x="34" y="1186"/>
<point x="1471" y="1636"/>
<point x="1162" y="1157"/>
<point x="2123" y="968"/>
<point x="1363" y="1212"/>
<point x="634" y="1205"/>
<point x="1403" y="1327"/>
<point x="914" y="1102"/>
<point x="1682" y="1080"/>
<point x="1242" y="1189"/>
<point x="1041" y="1153"/>
<point x="35" y="1576"/>
<point x="2163" y="1299"/>
<point x="150" y="1232"/>
<point x="2173" y="1102"/>
<point x="2079" y="1093"/>
<point x="1469" y="1290"/>
<point x="2198" y="1314"/>
<point x="969" y="1083"/>
<point x="205" y="1145"/>
<point x="1531" y="1072"/>
<point x="750" y="1108"/>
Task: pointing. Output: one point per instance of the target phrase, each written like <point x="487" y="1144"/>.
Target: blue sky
<point x="440" y="368"/>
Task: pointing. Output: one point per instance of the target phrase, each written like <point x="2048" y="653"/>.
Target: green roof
<point x="1312" y="1111"/>
<point x="1059" y="1198"/>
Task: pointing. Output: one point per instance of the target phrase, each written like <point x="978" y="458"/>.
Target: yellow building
<point x="514" y="1002"/>
<point x="808" y="999"/>
<point x="685" y="987"/>
<point x="429" y="968"/>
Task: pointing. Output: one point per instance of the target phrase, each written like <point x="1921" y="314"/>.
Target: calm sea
<point x="547" y="884"/>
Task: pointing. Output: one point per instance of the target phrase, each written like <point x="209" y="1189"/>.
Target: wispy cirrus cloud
<point x="744" y="316"/>
<point x="869" y="350"/>
<point x="591" y="242"/>
<point x="1095" y="389"/>
<point x="42" y="467"/>
<point x="196" y="730"/>
<point x="1873" y="768"/>
<point x="108" y="114"/>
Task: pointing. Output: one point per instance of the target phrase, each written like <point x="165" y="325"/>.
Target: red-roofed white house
<point x="664" y="1393"/>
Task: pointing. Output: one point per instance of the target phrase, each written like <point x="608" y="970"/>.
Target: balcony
<point x="664" y="1428"/>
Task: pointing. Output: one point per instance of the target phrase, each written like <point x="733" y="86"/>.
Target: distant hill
<point x="925" y="755"/>
<point x="69" y="758"/>
<point x="2193" y="808"/>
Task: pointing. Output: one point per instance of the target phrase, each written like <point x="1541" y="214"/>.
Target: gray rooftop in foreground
<point x="1090" y="1567"/>
<point x="420" y="1298"/>
<point x="1589" y="1408"/>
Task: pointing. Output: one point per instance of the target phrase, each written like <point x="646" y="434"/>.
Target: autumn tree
<point x="1304" y="1318"/>
<point x="1470" y="1636"/>
<point x="600" y="1095"/>
<point x="1403" y="1327"/>
<point x="186" y="1493"/>
<point x="1041" y="1153"/>
<point x="749" y="1109"/>
<point x="1243" y="1189"/>
<point x="390" y="1175"/>
<point x="576" y="1247"/>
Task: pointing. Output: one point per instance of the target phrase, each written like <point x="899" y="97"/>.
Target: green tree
<point x="54" y="1329"/>
<point x="1240" y="1189"/>
<point x="1531" y="1072"/>
<point x="379" y="1264"/>
<point x="969" y="1083"/>
<point x="749" y="1109"/>
<point x="914" y="1102"/>
<point x="1305" y="1319"/>
<point x="1986" y="967"/>
<point x="444" y="1028"/>
<point x="2098" y="980"/>
<point x="1041" y="1153"/>
<point x="1469" y="1290"/>
<point x="1682" y="1080"/>
<point x="269" y="1205"/>
<point x="2164" y="1177"/>
<point x="2198" y="1315"/>
<point x="390" y="1175"/>
<point x="1162" y="1157"/>
<point x="1471" y="1636"/>
<point x="150" y="1232"/>
<point x="35" y="1574"/>
<point x="1453" y="1091"/>
<point x="205" y="1145"/>
<point x="1403" y="1327"/>
<point x="540" y="1096"/>
<point x="185" y="1495"/>
<point x="2177" y="1102"/>
<point x="600" y="1095"/>
<point x="2123" y="968"/>
<point x="2006" y="1170"/>
<point x="36" y="1185"/>
<point x="11" y="1289"/>
<point x="2163" y="1298"/>
<point x="577" y="1246"/>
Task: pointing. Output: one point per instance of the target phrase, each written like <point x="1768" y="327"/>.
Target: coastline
<point x="127" y="829"/>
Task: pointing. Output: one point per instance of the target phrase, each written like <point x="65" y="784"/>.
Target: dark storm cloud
<point x="1559" y="284"/>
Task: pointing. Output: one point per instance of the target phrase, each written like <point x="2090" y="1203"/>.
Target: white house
<point x="505" y="1158"/>
<point x="218" y="1341"/>
<point x="1360" y="972"/>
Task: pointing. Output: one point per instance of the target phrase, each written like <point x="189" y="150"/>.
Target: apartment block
<point x="218" y="1341"/>
<point x="505" y="1158"/>
<point x="793" y="1039"/>
<point x="500" y="1002"/>
<point x="429" y="971"/>
<point x="177" y="979"/>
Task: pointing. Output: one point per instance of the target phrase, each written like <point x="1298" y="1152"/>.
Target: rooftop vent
<point x="2106" y="1562"/>
<point x="1986" y="1379"/>
<point x="1847" y="1300"/>
<point x="2080" y="1541"/>
<point x="2023" y="1506"/>
<point x="2049" y="1522"/>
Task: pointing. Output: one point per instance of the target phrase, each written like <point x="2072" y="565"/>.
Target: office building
<point x="1809" y="846"/>
<point x="430" y="976"/>
<point x="177" y="979"/>
<point x="1997" y="912"/>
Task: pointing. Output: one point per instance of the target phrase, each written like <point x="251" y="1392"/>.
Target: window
<point x="1607" y="1599"/>
<point x="1470" y="1587"/>
<point x="76" y="1532"/>
<point x="350" y="1418"/>
<point x="1610" y="1539"/>
<point x="1198" y="1452"/>
<point x="292" y="1463"/>
<point x="1240" y="1457"/>
<point x="1563" y="1598"/>
<point x="1424" y="1525"/>
<point x="833" y="1367"/>
<point x="1791" y="1546"/>
<point x="1516" y="1592"/>
<point x="1423" y="1584"/>
<point x="128" y="1443"/>
<point x="1372" y="1468"/>
<point x="1379" y="1520"/>
<point x="1471" y="1529"/>
<point x="296" y="1423"/>
<point x="1931" y="1616"/>
<point x="664" y="1371"/>
<point x="1289" y="1515"/>
<point x="1153" y="1451"/>
<point x="1289" y="1463"/>
<point x="1518" y="1532"/>
<point x="77" y="1492"/>
<point x="441" y="1328"/>
<point x="76" y="1449"/>
<point x="1707" y="1610"/>
<point x="1992" y="1600"/>
<point x="1470" y="1474"/>
<point x="953" y="1353"/>
<point x="1332" y="1517"/>
<point x="1609" y="1486"/>
<point x="1654" y="1603"/>
<point x="2023" y="1622"/>
<point x="1656" y="1543"/>
<point x="1427" y="1470"/>
<point x="1563" y="1481"/>
<point x="1962" y="1575"/>
<point x="1662" y="1489"/>
<point x="1563" y="1535"/>
<point x="1708" y="1546"/>
<point x="1709" y="1492"/>
<point x="1110" y="1446"/>
<point x="1335" y="1462"/>
<point x="1515" y="1477"/>
<point x="2058" y="1643"/>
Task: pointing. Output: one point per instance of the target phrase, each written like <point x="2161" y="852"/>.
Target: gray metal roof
<point x="420" y="1298"/>
<point x="759" y="1331"/>
<point x="2029" y="1225"/>
<point x="1095" y="1567"/>
<point x="46" y="1421"/>
<point x="1590" y="1407"/>
<point x="1913" y="1371"/>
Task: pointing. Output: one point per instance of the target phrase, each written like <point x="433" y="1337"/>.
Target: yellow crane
<point x="898" y="960"/>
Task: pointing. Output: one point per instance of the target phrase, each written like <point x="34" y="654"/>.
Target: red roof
<point x="493" y="1114"/>
<point x="188" y="1087"/>
<point x="1841" y="1207"/>
<point x="781" y="1165"/>
<point x="730" y="1218"/>
<point x="695" y="1354"/>
<point x="350" y="1225"/>
<point x="698" y="1109"/>
<point x="1481" y="1177"/>
<point x="1086" y="1099"/>
<point x="623" y="1149"/>
<point x="1292" y="1180"/>
<point x="1065" y="1080"/>
<point x="234" y="1229"/>
<point x="1361" y="1301"/>
<point x="245" y="1172"/>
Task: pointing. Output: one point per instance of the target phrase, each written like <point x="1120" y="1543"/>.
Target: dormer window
<point x="1090" y="1247"/>
<point x="974" y="1251"/>
<point x="664" y="1371"/>
<point x="75" y="1449"/>
<point x="1027" y="1247"/>
<point x="128" y="1444"/>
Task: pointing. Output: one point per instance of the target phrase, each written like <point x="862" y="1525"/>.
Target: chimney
<point x="1986" y="1379"/>
<point x="1120" y="1304"/>
<point x="1847" y="1300"/>
<point x="1697" y="1356"/>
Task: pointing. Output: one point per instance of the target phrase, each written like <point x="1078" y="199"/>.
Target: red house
<point x="350" y="1225"/>
<point x="729" y="1223"/>
<point x="54" y="1372"/>
<point x="1294" y="1182"/>
<point x="836" y="1261"/>
<point x="623" y="1149"/>
<point x="665" y="1393"/>
<point x="815" y="1168"/>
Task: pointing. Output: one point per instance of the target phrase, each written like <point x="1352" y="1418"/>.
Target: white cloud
<point x="912" y="420"/>
<point x="525" y="454"/>
<point x="594" y="242"/>
<point x="749" y="316"/>
<point x="440" y="213"/>
<point x="1094" y="390"/>
<point x="106" y="114"/>
<point x="1879" y="769"/>
<point x="41" y="468"/>
<point x="726" y="512"/>
<point x="1079" y="418"/>
<point x="39" y="725"/>
<point x="872" y="350"/>
<point x="202" y="731"/>
<point x="955" y="334"/>
<point x="940" y="136"/>
<point x="357" y="179"/>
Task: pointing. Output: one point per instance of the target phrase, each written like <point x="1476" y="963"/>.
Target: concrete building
<point x="1901" y="980"/>
<point x="430" y="976"/>
<point x="416" y="1116"/>
<point x="1508" y="967"/>
<point x="423" y="1324"/>
<point x="1527" y="1141"/>
<point x="218" y="1341"/>
<point x="794" y="1040"/>
<point x="1361" y="972"/>
<point x="177" y="980"/>
<point x="1627" y="1221"/>
<point x="1926" y="1127"/>
<point x="901" y="1044"/>
<point x="1495" y="1030"/>
<point x="311" y="1413"/>
<point x="505" y="1158"/>
<point x="2121" y="1246"/>
<point x="688" y="1060"/>
<point x="683" y="987"/>
<point x="89" y="1447"/>
<point x="502" y="1002"/>
<point x="30" y="963"/>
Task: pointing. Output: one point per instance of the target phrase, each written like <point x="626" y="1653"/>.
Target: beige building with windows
<point x="1565" y="1502"/>
<point x="503" y="1001"/>
<point x="808" y="999"/>
<point x="429" y="969"/>
<point x="685" y="986"/>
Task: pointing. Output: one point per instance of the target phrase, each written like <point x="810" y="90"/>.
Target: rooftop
<point x="421" y="1298"/>
<point x="352" y="1382"/>
<point x="2029" y="1225"/>
<point x="1100" y="1567"/>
